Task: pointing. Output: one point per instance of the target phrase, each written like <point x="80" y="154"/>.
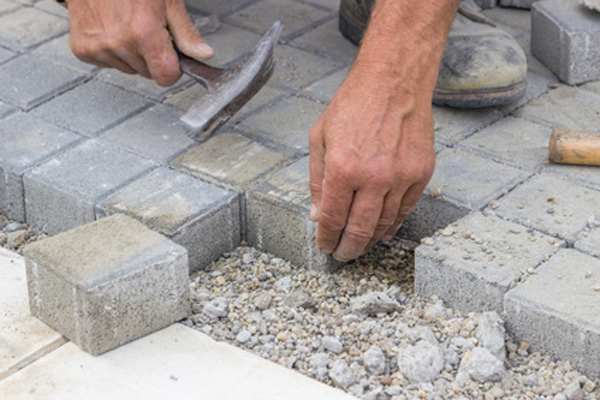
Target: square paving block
<point x="28" y="27"/>
<point x="327" y="41"/>
<point x="526" y="4"/>
<point x="52" y="7"/>
<point x="287" y="122"/>
<point x="324" y="89"/>
<point x="62" y="193"/>
<point x="140" y="84"/>
<point x="593" y="87"/>
<point x="7" y="6"/>
<point x="589" y="240"/>
<point x="106" y="283"/>
<point x="557" y="310"/>
<point x="278" y="218"/>
<point x="199" y="216"/>
<point x="567" y="107"/>
<point x="6" y="110"/>
<point x="471" y="181"/>
<point x="26" y="142"/>
<point x="28" y="81"/>
<point x="59" y="51"/>
<point x="220" y="8"/>
<point x="259" y="17"/>
<point x="473" y="262"/>
<point x="454" y="124"/>
<point x="552" y="204"/>
<point x="6" y="55"/>
<point x="514" y="141"/>
<point x="586" y="174"/>
<point x="515" y="18"/>
<point x="91" y="108"/>
<point x="230" y="43"/>
<point x="156" y="133"/>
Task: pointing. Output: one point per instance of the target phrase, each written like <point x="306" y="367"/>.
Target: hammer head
<point x="230" y="88"/>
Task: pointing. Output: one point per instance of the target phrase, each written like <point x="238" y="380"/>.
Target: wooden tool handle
<point x="575" y="147"/>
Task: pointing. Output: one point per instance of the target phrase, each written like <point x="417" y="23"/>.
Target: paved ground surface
<point x="79" y="143"/>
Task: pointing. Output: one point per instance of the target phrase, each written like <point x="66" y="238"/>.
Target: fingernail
<point x="205" y="51"/>
<point x="314" y="213"/>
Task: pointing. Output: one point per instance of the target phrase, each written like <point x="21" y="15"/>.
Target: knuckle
<point x="358" y="233"/>
<point x="330" y="222"/>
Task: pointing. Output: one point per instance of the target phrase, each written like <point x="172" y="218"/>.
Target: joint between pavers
<point x="30" y="359"/>
<point x="101" y="198"/>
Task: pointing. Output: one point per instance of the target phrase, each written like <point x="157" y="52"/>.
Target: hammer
<point x="574" y="147"/>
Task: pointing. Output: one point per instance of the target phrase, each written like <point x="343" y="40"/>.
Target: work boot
<point x="481" y="66"/>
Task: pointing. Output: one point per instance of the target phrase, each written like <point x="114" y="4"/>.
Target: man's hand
<point x="135" y="36"/>
<point x="371" y="152"/>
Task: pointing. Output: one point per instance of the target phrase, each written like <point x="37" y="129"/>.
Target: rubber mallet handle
<point x="574" y="147"/>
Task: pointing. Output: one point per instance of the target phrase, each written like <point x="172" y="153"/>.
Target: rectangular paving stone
<point x="471" y="181"/>
<point x="156" y="133"/>
<point x="288" y="121"/>
<point x="28" y="27"/>
<point x="566" y="37"/>
<point x="552" y="204"/>
<point x="327" y="41"/>
<point x="454" y="124"/>
<point x="592" y="86"/>
<point x="220" y="8"/>
<point x="91" y="108"/>
<point x="26" y="142"/>
<point x="28" y="81"/>
<point x="58" y="50"/>
<point x="516" y="18"/>
<point x="557" y="310"/>
<point x="231" y="43"/>
<point x="324" y="89"/>
<point x="587" y="175"/>
<point x="6" y="110"/>
<point x="589" y="240"/>
<point x="517" y="3"/>
<point x="6" y="55"/>
<point x="107" y="283"/>
<point x="485" y="4"/>
<point x="62" y="193"/>
<point x="7" y="7"/>
<point x="513" y="141"/>
<point x="473" y="262"/>
<point x="169" y="364"/>
<point x="295" y="16"/>
<point x="199" y="216"/>
<point x="567" y="107"/>
<point x="25" y="339"/>
<point x="52" y="7"/>
<point x="278" y="218"/>
<point x="140" y="84"/>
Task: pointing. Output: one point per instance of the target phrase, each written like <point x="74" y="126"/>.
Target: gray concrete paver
<point x="52" y="7"/>
<point x="454" y="124"/>
<point x="587" y="175"/>
<point x="513" y="17"/>
<point x="6" y="55"/>
<point x="28" y="27"/>
<point x="327" y="41"/>
<point x="6" y="110"/>
<point x="139" y="84"/>
<point x="589" y="240"/>
<point x="324" y="89"/>
<point x="219" y="8"/>
<point x="231" y="43"/>
<point x="7" y="7"/>
<point x="58" y="50"/>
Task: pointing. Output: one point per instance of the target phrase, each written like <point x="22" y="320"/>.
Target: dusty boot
<point x="481" y="66"/>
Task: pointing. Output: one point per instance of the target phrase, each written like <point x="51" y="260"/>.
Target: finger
<point x="389" y="215"/>
<point x="159" y="55"/>
<point x="317" y="169"/>
<point x="135" y="61"/>
<point x="336" y="199"/>
<point x="409" y="202"/>
<point x="186" y="36"/>
<point x="363" y="219"/>
<point x="109" y="60"/>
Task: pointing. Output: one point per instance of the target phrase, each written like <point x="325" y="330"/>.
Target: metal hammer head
<point x="230" y="88"/>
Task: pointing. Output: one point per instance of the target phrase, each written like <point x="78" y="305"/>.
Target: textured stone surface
<point x="199" y="216"/>
<point x="62" y="193"/>
<point x="6" y="110"/>
<point x="278" y="221"/>
<point x="515" y="18"/>
<point x="324" y="89"/>
<point x="587" y="175"/>
<point x="104" y="284"/>
<point x="59" y="51"/>
<point x="156" y="134"/>
<point x="26" y="142"/>
<point x="139" y="84"/>
<point x="45" y="80"/>
<point x="327" y="41"/>
<point x="472" y="263"/>
<point x="552" y="204"/>
<point x="454" y="124"/>
<point x="557" y="310"/>
<point x="566" y="37"/>
<point x="5" y="55"/>
<point x="589" y="240"/>
<point x="28" y="27"/>
<point x="221" y="7"/>
<point x="91" y="108"/>
<point x="231" y="43"/>
<point x="517" y="3"/>
<point x="7" y="6"/>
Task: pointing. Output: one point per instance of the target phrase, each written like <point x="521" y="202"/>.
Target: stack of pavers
<point x="514" y="234"/>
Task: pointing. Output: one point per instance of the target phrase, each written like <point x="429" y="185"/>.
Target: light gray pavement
<point x="83" y="142"/>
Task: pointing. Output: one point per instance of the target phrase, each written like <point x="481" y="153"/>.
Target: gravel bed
<point x="362" y="329"/>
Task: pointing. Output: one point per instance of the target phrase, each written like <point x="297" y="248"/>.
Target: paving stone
<point x="44" y="80"/>
<point x="331" y="4"/>
<point x="567" y="107"/>
<point x="454" y="124"/>
<point x="199" y="216"/>
<point x="25" y="339"/>
<point x="516" y="18"/>
<point x="52" y="7"/>
<point x="91" y="108"/>
<point x="6" y="110"/>
<point x="62" y="193"/>
<point x="231" y="43"/>
<point x="297" y="69"/>
<point x="220" y="8"/>
<point x="26" y="142"/>
<point x="593" y="87"/>
<point x="5" y="55"/>
<point x="287" y="122"/>
<point x="59" y="51"/>
<point x="7" y="7"/>
<point x="472" y="263"/>
<point x="552" y="204"/>
<point x="517" y="3"/>
<point x="557" y="310"/>
<point x="327" y="41"/>
<point x="587" y="175"/>
<point x="566" y="38"/>
<point x="295" y="16"/>
<point x="28" y="27"/>
<point x="324" y="89"/>
<point x="233" y="161"/>
<point x="589" y="240"/>
<point x="485" y="4"/>
<point x="139" y="84"/>
<point x="106" y="283"/>
<point x="471" y="181"/>
<point x="169" y="364"/>
<point x="156" y="133"/>
<point x="513" y="141"/>
<point x="278" y="218"/>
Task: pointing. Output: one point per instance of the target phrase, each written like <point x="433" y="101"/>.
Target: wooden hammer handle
<point x="575" y="147"/>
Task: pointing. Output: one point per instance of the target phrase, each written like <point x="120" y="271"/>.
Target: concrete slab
<point x="454" y="124"/>
<point x="6" y="55"/>
<point x="587" y="175"/>
<point x="25" y="339"/>
<point x="27" y="141"/>
<point x="139" y="84"/>
<point x="219" y="8"/>
<point x="107" y="283"/>
<point x="231" y="43"/>
<point x="324" y="89"/>
<point x="515" y="18"/>
<point x="327" y="41"/>
<point x="526" y="4"/>
<point x="52" y="7"/>
<point x="199" y="216"/>
<point x="59" y="51"/>
<point x="171" y="363"/>
<point x="589" y="240"/>
<point x="28" y="27"/>
<point x="7" y="7"/>
<point x="45" y="80"/>
<point x="6" y="110"/>
<point x="62" y="193"/>
<point x="552" y="204"/>
<point x="557" y="310"/>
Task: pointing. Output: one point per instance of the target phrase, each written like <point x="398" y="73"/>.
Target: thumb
<point x="185" y="35"/>
<point x="317" y="168"/>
